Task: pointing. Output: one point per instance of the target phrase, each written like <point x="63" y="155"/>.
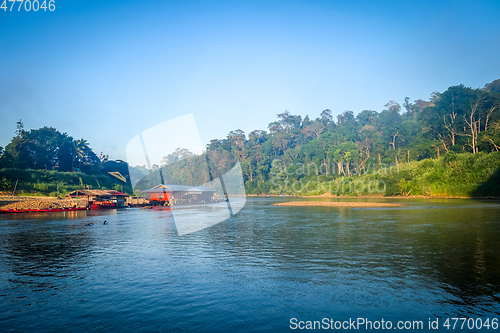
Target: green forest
<point x="47" y="162"/>
<point x="447" y="146"/>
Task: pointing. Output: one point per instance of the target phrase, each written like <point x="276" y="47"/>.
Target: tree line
<point x="39" y="162"/>
<point x="458" y="120"/>
<point x="47" y="148"/>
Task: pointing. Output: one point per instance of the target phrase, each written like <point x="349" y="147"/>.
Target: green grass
<point x="451" y="175"/>
<point x="46" y="183"/>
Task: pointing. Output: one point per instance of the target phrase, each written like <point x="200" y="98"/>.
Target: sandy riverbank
<point x="337" y="204"/>
<point x="370" y="196"/>
<point x="9" y="202"/>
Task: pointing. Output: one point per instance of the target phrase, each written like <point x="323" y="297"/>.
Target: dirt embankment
<point x="38" y="203"/>
<point x="337" y="204"/>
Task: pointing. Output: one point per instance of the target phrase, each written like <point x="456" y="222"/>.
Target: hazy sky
<point x="107" y="70"/>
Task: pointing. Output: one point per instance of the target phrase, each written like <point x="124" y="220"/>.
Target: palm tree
<point x="82" y="149"/>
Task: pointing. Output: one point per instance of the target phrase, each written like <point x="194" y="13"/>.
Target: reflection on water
<point x="253" y="272"/>
<point x="191" y="219"/>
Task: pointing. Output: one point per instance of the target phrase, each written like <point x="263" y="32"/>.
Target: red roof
<point x="118" y="193"/>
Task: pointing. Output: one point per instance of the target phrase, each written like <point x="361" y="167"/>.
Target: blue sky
<point x="107" y="70"/>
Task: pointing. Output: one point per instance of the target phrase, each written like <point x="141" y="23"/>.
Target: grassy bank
<point x="451" y="175"/>
<point x="54" y="183"/>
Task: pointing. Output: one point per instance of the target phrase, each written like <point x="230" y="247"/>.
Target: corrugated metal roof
<point x="200" y="189"/>
<point x="161" y="186"/>
<point x="177" y="188"/>
<point x="97" y="192"/>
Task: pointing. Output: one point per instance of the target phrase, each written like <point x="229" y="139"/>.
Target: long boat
<point x="47" y="210"/>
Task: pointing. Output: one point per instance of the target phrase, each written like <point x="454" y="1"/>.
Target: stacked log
<point x="38" y="203"/>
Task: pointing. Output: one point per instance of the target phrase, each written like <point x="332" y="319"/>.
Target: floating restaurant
<point x="100" y="199"/>
<point x="162" y="195"/>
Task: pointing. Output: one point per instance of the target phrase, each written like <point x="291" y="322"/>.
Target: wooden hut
<point x="167" y="194"/>
<point x="100" y="199"/>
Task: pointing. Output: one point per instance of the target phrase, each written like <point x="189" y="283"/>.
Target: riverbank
<point x="464" y="175"/>
<point x="337" y="204"/>
<point x="371" y="196"/>
<point x="10" y="202"/>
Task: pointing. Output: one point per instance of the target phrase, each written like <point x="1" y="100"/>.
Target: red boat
<point x="12" y="211"/>
<point x="48" y="210"/>
<point x="104" y="205"/>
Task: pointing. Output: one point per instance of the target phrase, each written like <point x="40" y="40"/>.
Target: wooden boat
<point x="47" y="210"/>
<point x="12" y="211"/>
<point x="105" y="205"/>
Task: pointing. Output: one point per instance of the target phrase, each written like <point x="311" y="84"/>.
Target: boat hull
<point x="50" y="210"/>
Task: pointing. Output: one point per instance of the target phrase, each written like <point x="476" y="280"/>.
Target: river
<point x="255" y="272"/>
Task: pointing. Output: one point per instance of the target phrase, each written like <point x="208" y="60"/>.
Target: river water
<point x="432" y="259"/>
